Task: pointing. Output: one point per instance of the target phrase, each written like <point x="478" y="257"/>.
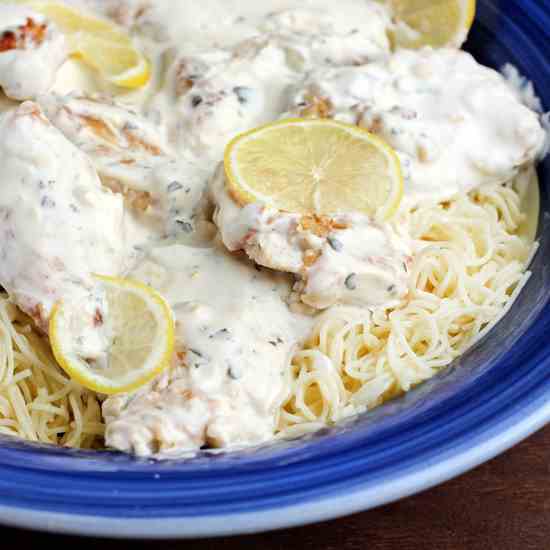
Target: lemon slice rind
<point x="133" y="78"/>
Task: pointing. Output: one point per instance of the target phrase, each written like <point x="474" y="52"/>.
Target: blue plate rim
<point x="471" y="452"/>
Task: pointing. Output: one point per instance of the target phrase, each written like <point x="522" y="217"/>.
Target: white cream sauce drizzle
<point x="235" y="337"/>
<point x="58" y="224"/>
<point x="224" y="23"/>
<point x="346" y="259"/>
<point x="455" y="124"/>
<point x="31" y="51"/>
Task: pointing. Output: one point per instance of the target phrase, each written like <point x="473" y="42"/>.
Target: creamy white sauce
<point x="58" y="225"/>
<point x="138" y="170"/>
<point x="345" y="259"/>
<point x="455" y="124"/>
<point x="211" y="94"/>
<point x="224" y="23"/>
<point x="235" y="337"/>
<point x="31" y="51"/>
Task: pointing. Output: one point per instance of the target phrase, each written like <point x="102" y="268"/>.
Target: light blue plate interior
<point x="503" y="380"/>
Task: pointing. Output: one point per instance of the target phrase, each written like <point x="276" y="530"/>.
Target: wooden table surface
<point x="502" y="505"/>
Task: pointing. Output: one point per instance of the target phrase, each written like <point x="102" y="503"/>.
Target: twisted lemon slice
<point x="315" y="166"/>
<point x="98" y="42"/>
<point x="142" y="336"/>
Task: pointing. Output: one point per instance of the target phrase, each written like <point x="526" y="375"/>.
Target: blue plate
<point x="494" y="396"/>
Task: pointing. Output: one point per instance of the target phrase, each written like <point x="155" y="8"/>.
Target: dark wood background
<point x="502" y="505"/>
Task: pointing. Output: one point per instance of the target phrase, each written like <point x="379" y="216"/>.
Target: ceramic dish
<point x="491" y="398"/>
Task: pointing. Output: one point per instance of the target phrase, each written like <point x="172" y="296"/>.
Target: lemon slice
<point x="142" y="339"/>
<point x="98" y="42"/>
<point x="435" y="23"/>
<point x="313" y="166"/>
<point x="119" y="63"/>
